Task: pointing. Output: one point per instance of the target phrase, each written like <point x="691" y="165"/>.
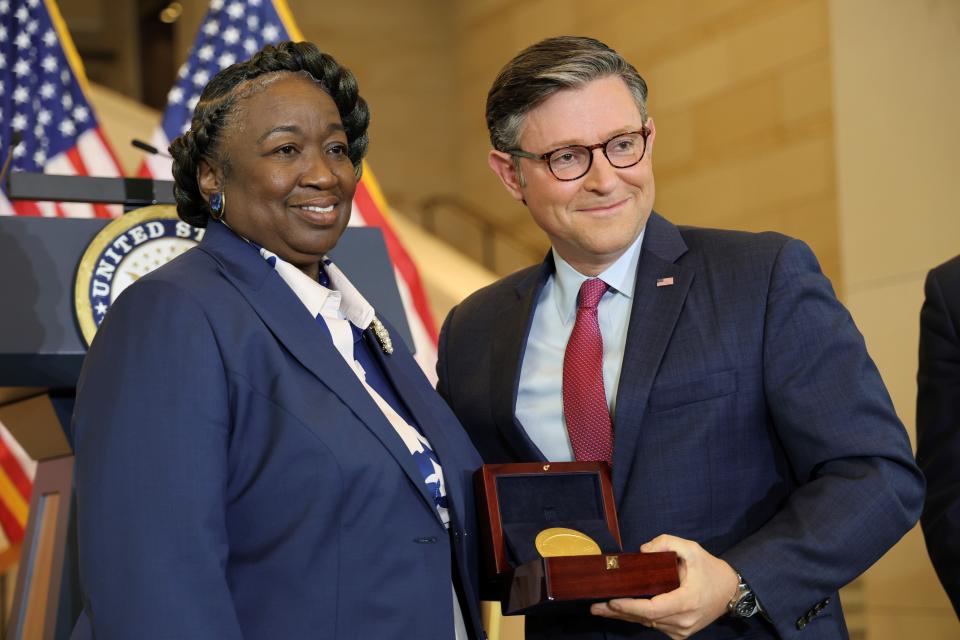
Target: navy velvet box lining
<point x="531" y="503"/>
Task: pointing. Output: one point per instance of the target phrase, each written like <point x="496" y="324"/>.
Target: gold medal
<point x="558" y="541"/>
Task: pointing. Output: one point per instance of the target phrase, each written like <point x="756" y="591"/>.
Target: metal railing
<point x="491" y="232"/>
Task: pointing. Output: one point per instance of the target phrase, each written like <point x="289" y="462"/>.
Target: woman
<point x="255" y="458"/>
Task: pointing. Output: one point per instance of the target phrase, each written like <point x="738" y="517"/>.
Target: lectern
<point x="41" y="353"/>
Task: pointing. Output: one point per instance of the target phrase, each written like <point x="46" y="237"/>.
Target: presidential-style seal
<point x="124" y="251"/>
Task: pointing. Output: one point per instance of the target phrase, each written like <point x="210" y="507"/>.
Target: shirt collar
<point x="342" y="300"/>
<point x="621" y="277"/>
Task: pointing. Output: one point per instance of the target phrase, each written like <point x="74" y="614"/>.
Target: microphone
<point x="149" y="148"/>
<point x="15" y="139"/>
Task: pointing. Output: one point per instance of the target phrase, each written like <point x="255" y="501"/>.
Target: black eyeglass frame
<point x="545" y="157"/>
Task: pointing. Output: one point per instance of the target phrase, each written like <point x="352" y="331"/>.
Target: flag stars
<point x="49" y="64"/>
<point x="19" y="122"/>
<point x="43" y="117"/>
<point x="21" y="95"/>
<point x="80" y="113"/>
<point x="22" y="41"/>
<point x="19" y="150"/>
<point x="65" y="76"/>
<point x="226" y="60"/>
<point x="253" y="22"/>
<point x="46" y="90"/>
<point x="211" y="28"/>
<point x="101" y="309"/>
<point x="49" y="38"/>
<point x="21" y="15"/>
<point x="67" y="128"/>
<point x="191" y="105"/>
<point x="31" y="27"/>
<point x="175" y="95"/>
<point x="216" y="5"/>
<point x="250" y="46"/>
<point x="231" y="35"/>
<point x="205" y="53"/>
<point x="21" y="68"/>
<point x="235" y="10"/>
<point x="67" y="101"/>
<point x="3" y="33"/>
<point x="200" y="77"/>
<point x="4" y="6"/>
<point x="40" y="157"/>
<point x="270" y="32"/>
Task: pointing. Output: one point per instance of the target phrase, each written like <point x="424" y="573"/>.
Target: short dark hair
<point x="543" y="69"/>
<point x="217" y="107"/>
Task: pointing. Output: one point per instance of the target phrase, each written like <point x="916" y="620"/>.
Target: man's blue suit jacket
<point x="234" y="480"/>
<point x="938" y="422"/>
<point x="749" y="418"/>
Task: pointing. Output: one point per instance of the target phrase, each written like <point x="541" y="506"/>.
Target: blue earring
<point x="217" y="203"/>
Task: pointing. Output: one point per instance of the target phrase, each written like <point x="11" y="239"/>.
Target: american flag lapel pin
<point x="665" y="282"/>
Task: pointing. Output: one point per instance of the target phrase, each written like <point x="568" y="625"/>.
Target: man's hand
<point x="707" y="584"/>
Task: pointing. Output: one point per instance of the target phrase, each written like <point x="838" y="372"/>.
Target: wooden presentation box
<point x="518" y="501"/>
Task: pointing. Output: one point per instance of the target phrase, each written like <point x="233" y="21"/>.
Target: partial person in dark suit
<point x="938" y="422"/>
<point x="747" y="427"/>
<point x="256" y="458"/>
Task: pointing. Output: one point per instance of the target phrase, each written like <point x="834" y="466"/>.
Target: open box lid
<point x="518" y="500"/>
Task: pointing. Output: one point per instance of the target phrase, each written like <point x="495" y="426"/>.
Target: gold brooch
<point x="383" y="336"/>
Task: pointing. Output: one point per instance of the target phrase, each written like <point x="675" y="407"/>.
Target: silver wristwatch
<point x="744" y="602"/>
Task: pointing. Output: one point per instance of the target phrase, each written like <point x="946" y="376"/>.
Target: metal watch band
<point x="744" y="602"/>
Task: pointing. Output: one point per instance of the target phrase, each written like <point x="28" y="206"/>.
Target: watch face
<point x="747" y="605"/>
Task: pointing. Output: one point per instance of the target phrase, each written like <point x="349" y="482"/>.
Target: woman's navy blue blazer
<point x="235" y="480"/>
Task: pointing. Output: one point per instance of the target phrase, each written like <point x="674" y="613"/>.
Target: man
<point x="747" y="427"/>
<point x="938" y="422"/>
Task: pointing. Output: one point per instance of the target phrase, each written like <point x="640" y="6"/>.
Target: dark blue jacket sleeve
<point x="858" y="489"/>
<point x="938" y="423"/>
<point x="151" y="425"/>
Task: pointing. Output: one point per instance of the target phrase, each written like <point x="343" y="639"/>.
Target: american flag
<point x="231" y="31"/>
<point x="43" y="103"/>
<point x="42" y="99"/>
<point x="17" y="470"/>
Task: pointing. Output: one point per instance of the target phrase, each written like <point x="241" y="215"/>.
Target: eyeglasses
<point x="574" y="161"/>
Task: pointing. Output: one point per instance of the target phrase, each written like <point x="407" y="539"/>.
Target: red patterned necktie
<point x="584" y="401"/>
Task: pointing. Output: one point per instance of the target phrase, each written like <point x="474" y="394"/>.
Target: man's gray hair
<point x="543" y="69"/>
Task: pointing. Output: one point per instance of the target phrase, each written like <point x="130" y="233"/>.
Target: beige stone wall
<point x="896" y="73"/>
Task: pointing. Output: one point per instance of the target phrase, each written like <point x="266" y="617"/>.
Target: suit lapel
<point x="652" y="321"/>
<point x="405" y="375"/>
<point x="509" y="344"/>
<point x="290" y="322"/>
